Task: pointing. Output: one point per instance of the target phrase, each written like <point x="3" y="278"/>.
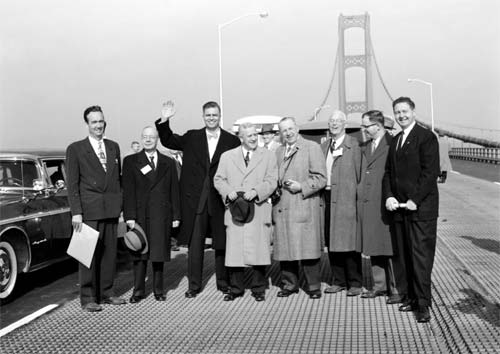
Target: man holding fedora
<point x="94" y="195"/>
<point x="151" y="209"/>
<point x="268" y="137"/>
<point x="246" y="178"/>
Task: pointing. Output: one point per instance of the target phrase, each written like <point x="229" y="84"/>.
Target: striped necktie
<point x="102" y="156"/>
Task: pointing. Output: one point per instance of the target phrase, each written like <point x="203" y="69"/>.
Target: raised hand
<point x="167" y="111"/>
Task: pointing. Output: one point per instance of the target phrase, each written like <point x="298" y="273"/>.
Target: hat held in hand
<point x="136" y="240"/>
<point x="241" y="209"/>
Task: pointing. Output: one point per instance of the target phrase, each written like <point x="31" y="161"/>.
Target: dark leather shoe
<point x="423" y="314"/>
<point x="191" y="293"/>
<point x="160" y="297"/>
<point x="286" y="292"/>
<point x="394" y="299"/>
<point x="259" y="296"/>
<point x="371" y="294"/>
<point x="353" y="291"/>
<point x="136" y="298"/>
<point x="315" y="295"/>
<point x="231" y="296"/>
<point x="92" y="307"/>
<point x="114" y="301"/>
<point x="224" y="290"/>
<point x="334" y="289"/>
<point x="407" y="306"/>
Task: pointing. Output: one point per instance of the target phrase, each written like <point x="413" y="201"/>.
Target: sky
<point x="58" y="57"/>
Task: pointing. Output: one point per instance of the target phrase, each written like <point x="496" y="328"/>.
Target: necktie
<point x="247" y="158"/>
<point x="332" y="146"/>
<point x="102" y="157"/>
<point x="374" y="146"/>
<point x="152" y="158"/>
<point x="212" y="136"/>
<point x="288" y="150"/>
<point x="400" y="142"/>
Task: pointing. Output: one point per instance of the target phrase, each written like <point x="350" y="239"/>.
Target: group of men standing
<point x="378" y="198"/>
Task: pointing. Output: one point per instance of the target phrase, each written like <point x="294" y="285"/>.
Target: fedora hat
<point x="136" y="240"/>
<point x="267" y="128"/>
<point x="241" y="209"/>
<point x="388" y="123"/>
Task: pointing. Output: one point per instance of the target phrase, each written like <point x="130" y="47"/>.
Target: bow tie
<point x="213" y="136"/>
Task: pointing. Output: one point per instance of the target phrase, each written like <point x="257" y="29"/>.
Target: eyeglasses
<point x="367" y="126"/>
<point x="336" y="121"/>
<point x="148" y="137"/>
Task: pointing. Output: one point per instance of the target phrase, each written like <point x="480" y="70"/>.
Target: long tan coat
<point x="346" y="174"/>
<point x="298" y="229"/>
<point x="249" y="243"/>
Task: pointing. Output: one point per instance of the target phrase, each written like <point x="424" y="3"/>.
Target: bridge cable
<point x="332" y="79"/>
<point x="378" y="71"/>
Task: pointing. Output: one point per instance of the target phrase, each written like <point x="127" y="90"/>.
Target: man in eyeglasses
<point x="343" y="168"/>
<point x="374" y="233"/>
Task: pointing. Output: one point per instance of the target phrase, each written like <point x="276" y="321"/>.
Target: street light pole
<point x="432" y="100"/>
<point x="220" y="27"/>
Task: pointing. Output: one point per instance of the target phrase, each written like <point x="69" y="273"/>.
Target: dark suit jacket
<point x="92" y="192"/>
<point x="411" y="173"/>
<point x="152" y="200"/>
<point x="196" y="182"/>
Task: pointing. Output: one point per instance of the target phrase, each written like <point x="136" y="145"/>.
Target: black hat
<point x="267" y="128"/>
<point x="241" y="209"/>
<point x="136" y="240"/>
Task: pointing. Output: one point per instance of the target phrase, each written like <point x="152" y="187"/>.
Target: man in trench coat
<point x="252" y="170"/>
<point x="374" y="220"/>
<point x="298" y="229"/>
<point x="202" y="210"/>
<point x="151" y="199"/>
<point x="343" y="164"/>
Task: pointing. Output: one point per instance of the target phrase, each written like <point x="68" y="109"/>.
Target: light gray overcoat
<point x="346" y="174"/>
<point x="298" y="228"/>
<point x="249" y="243"/>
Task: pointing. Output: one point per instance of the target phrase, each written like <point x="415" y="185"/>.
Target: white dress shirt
<point x="155" y="155"/>
<point x="330" y="158"/>
<point x="405" y="133"/>
<point x="212" y="140"/>
<point x="95" y="145"/>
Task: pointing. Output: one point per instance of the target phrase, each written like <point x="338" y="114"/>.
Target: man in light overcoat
<point x="343" y="165"/>
<point x="297" y="216"/>
<point x="252" y="170"/>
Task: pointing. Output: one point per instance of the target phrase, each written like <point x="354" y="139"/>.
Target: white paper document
<point x="82" y="245"/>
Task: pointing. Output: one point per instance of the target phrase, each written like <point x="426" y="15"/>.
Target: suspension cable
<point x="379" y="74"/>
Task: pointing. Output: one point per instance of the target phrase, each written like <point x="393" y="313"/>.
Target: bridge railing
<point x="489" y="155"/>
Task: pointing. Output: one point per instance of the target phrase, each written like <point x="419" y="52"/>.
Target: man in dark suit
<point x="411" y="193"/>
<point x="374" y="220"/>
<point x="202" y="209"/>
<point x="93" y="166"/>
<point x="151" y="199"/>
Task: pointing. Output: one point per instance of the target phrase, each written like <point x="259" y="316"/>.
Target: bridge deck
<point x="465" y="313"/>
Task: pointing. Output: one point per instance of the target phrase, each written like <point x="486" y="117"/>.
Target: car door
<point x="56" y="205"/>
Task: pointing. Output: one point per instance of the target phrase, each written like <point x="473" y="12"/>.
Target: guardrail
<point x="488" y="155"/>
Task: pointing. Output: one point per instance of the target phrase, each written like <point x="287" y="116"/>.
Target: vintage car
<point x="35" y="220"/>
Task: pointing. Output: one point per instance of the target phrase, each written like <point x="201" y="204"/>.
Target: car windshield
<point x="18" y="173"/>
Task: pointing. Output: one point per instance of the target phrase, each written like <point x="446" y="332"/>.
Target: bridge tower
<point x="363" y="60"/>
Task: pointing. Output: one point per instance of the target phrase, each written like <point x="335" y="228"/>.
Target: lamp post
<point x="220" y="27"/>
<point x="432" y="102"/>
<point x="316" y="111"/>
